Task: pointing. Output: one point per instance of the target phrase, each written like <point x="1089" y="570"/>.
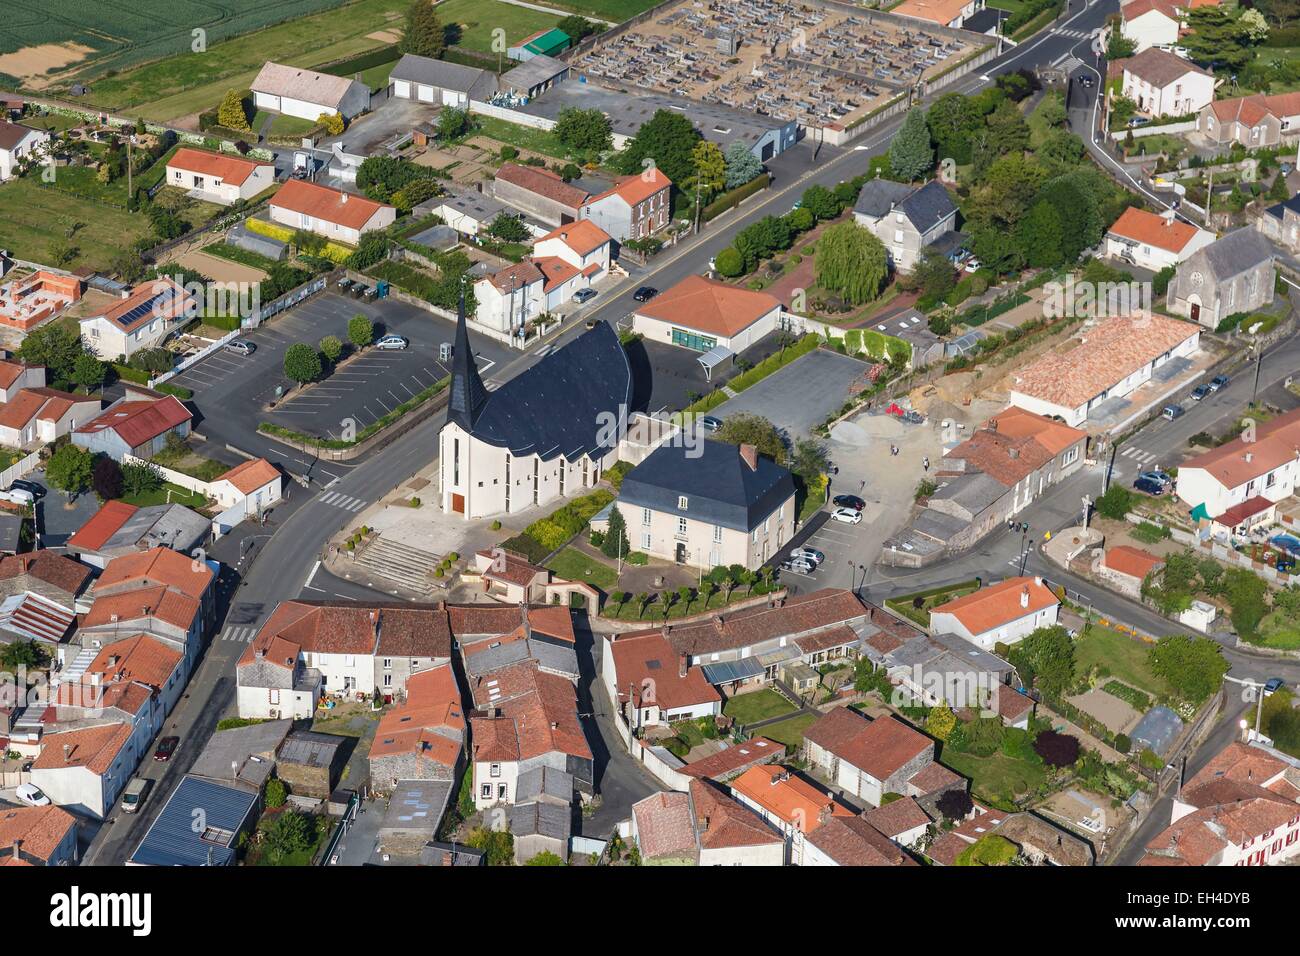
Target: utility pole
<point x="1259" y="360"/>
<point x="696" y="230"/>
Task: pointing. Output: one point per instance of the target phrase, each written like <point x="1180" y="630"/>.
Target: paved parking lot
<point x="668" y="377"/>
<point x="837" y="541"/>
<point x="363" y="389"/>
<point x="802" y="395"/>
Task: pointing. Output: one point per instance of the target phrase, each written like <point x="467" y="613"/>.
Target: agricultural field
<point x="36" y="218"/>
<point x="615" y="11"/>
<point x="470" y="23"/>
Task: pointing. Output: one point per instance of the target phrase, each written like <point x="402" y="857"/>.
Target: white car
<point x="32" y="795"/>
<point x="847" y="515"/>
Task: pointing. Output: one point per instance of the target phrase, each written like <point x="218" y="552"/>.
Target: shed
<point x="1157" y="730"/>
<point x="173" y="840"/>
<point x="310" y="762"/>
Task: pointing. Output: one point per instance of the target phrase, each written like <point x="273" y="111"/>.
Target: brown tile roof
<point x="345" y="627"/>
<point x="229" y="169"/>
<point x="1126" y="559"/>
<point x="45" y="404"/>
<point x="1242" y="762"/>
<point x="517" y="275"/>
<point x="103" y="524"/>
<point x="735" y="758"/>
<point x="1249" y="110"/>
<point x="94" y="748"/>
<point x="946" y="848"/>
<point x="157" y="566"/>
<point x="432" y="705"/>
<point x="41" y="830"/>
<point x="583" y="236"/>
<point x="665" y="826"/>
<point x="543" y="182"/>
<point x="933" y="778"/>
<point x="852" y="841"/>
<point x="11" y="134"/>
<point x="1107" y="353"/>
<point x="796" y="616"/>
<point x="539" y="710"/>
<point x="139" y="422"/>
<point x="1135" y="8"/>
<point x="468" y="620"/>
<point x="331" y="205"/>
<point x="707" y="306"/>
<point x="10" y="372"/>
<point x="172" y="300"/>
<point x="942" y="12"/>
<point x="1015" y="443"/>
<point x="1238" y="462"/>
<point x="1011" y="703"/>
<point x="725" y="823"/>
<point x="1202" y="835"/>
<point x="897" y="817"/>
<point x="54" y="569"/>
<point x="1160" y="67"/>
<point x="998" y="604"/>
<point x="825" y="640"/>
<point x="635" y="189"/>
<point x="251" y="475"/>
<point x="649" y="668"/>
<point x="878" y="747"/>
<point x="173" y="607"/>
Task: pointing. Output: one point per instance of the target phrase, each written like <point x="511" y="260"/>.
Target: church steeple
<point x="468" y="394"/>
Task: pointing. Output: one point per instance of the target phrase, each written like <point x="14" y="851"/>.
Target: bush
<point x="1122" y="743"/>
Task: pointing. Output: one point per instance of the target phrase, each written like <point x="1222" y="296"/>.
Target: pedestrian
<point x="925" y="463"/>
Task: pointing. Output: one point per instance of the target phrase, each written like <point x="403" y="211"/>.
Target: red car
<point x="166" y="747"/>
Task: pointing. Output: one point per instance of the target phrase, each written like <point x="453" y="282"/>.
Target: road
<point x="270" y="565"/>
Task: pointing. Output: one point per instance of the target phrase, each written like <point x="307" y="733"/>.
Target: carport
<point x="713" y="358"/>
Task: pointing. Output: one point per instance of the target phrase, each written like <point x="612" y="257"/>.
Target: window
<point x="494" y="770"/>
<point x="645" y="517"/>
<point x="1071" y="456"/>
<point x="486" y="791"/>
<point x="388" y="680"/>
<point x="503" y="790"/>
<point x="388" y="663"/>
<point x="681" y="526"/>
<point x="645" y="541"/>
<point x="717" y="532"/>
<point x="681" y="502"/>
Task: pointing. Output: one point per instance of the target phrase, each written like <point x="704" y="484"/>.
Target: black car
<point x="848" y="501"/>
<point x="645" y="293"/>
<point x="1149" y="486"/>
<point x="166" y="747"/>
<point x="37" y="491"/>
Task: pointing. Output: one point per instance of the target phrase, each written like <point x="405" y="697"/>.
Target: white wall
<point x="656" y="330"/>
<point x="1008" y="633"/>
<point x="1151" y="29"/>
<point x="262" y="703"/>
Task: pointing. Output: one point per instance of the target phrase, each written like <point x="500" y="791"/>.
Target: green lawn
<point x="167" y="494"/>
<point x="573" y="565"/>
<point x="1279" y="631"/>
<point x="789" y="732"/>
<point x="998" y="778"/>
<point x="615" y="10"/>
<point x="282" y="126"/>
<point x="524" y="137"/>
<point x="929" y="599"/>
<point x="34" y="217"/>
<point x="223" y="250"/>
<point x="470" y="22"/>
<point x="757" y="705"/>
<point x="1124" y="657"/>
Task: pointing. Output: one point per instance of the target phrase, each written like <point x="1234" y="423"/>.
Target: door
<point x="681" y="552"/>
<point x="458" y="503"/>
<point x="1196" y="312"/>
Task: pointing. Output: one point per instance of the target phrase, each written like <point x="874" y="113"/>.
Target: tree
<point x="361" y="331"/>
<point x="934" y="274"/>
<point x="821" y="202"/>
<point x="424" y="34"/>
<point x="55" y="346"/>
<point x="498" y="845"/>
<point x="1057" y="750"/>
<point x="642" y="602"/>
<point x="1119" y="47"/>
<point x="1040" y="234"/>
<point x="955" y="804"/>
<point x="302" y="363"/>
<point x="729" y="263"/>
<point x="587" y="131"/>
<point x="851" y="262"/>
<point x="1008" y="131"/>
<point x="1193" y="666"/>
<point x="1116" y="503"/>
<point x="941" y="722"/>
<point x="87" y="371"/>
<point x="1254" y="25"/>
<point x="70" y="469"/>
<point x="667" y="139"/>
<point x="1045" y="658"/>
<point x="231" y="113"/>
<point x="1279" y="191"/>
<point x="452" y="123"/>
<point x="331" y="347"/>
<point x="809" y="459"/>
<point x="742" y="165"/>
<point x="545" y="858"/>
<point x="746" y="428"/>
<point x="1052" y="110"/>
<point x="24" y="654"/>
<point x="276" y="793"/>
<point x="508" y="228"/>
<point x="910" y="154"/>
<point x="615" y="543"/>
<point x="952" y="120"/>
<point x="710" y="168"/>
<point x="579" y="28"/>
<point x="106" y="478"/>
<point x="1218" y="39"/>
<point x="141" y="477"/>
<point x="288" y="833"/>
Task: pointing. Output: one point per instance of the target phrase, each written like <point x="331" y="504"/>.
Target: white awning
<point x="713" y="358"/>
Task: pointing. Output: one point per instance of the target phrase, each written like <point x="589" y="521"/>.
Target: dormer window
<point x="681" y="502"/>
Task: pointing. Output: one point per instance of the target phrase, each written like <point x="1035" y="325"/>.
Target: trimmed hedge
<point x="729" y="200"/>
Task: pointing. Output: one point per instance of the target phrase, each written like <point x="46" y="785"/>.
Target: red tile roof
<point x="330" y="205"/>
<point x="103" y="524"/>
<point x="852" y="841"/>
<point x="538" y="715"/>
<point x="1249" y="110"/>
<point x="45" y="404"/>
<point x="54" y="569"/>
<point x="1135" y="8"/>
<point x="649" y="667"/>
<point x="229" y="169"/>
<point x="1015" y="443"/>
<point x="635" y="189"/>
<point x="141" y="658"/>
<point x="732" y="760"/>
<point x="543" y="182"/>
<point x="877" y="747"/>
<point x="157" y="566"/>
<point x="665" y="827"/>
<point x="726" y="823"/>
<point x="40" y="829"/>
<point x="251" y="475"/>
<point x="94" y="748"/>
<point x="138" y="422"/>
<point x="344" y="627"/>
<point x="1151" y="229"/>
<point x="788" y="797"/>
<point x="583" y="236"/>
<point x="1134" y="562"/>
<point x="172" y="301"/>
<point x="430" y="723"/>
<point x="711" y="307"/>
<point x="157" y="601"/>
<point x="1239" y="461"/>
<point x="997" y="604"/>
<point x="1241" y="513"/>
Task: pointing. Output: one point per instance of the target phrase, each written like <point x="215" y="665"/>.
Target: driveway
<point x="802" y="395"/>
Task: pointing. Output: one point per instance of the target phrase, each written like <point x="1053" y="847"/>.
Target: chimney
<point x="993" y="424"/>
<point x="1249" y="456"/>
<point x="260" y="653"/>
<point x="112" y="660"/>
<point x="18" y="849"/>
<point x="1024" y="596"/>
<point x="666" y="630"/>
<point x="67" y="753"/>
<point x="681" y="665"/>
<point x="718" y="622"/>
<point x="1168" y="217"/>
<point x="1038" y="579"/>
<point x="749" y="455"/>
<point x="344" y="199"/>
<point x="1013" y="453"/>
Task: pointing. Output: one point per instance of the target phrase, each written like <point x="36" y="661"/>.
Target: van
<point x="1171" y="412"/>
<point x="135" y="793"/>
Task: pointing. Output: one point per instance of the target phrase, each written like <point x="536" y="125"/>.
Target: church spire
<point x="468" y="394"/>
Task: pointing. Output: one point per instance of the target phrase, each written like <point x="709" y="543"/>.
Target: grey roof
<point x="311" y="749"/>
<point x="551" y="657"/>
<point x="544" y="781"/>
<point x="417" y="805"/>
<point x="437" y="237"/>
<point x="467" y="396"/>
<point x="928" y="206"/>
<point x="1157" y="730"/>
<point x="244" y="238"/>
<point x="971" y="654"/>
<point x="937" y="525"/>
<point x="726" y="671"/>
<point x="436" y="854"/>
<point x="242" y="756"/>
<point x="1237" y="252"/>
<point x="719" y="487"/>
<point x="533" y="72"/>
<point x="878" y="196"/>
<point x="558" y="406"/>
<point x="974" y="491"/>
<point x="173" y="526"/>
<point x="444" y="75"/>
<point x="479" y="206"/>
<point x="541" y="819"/>
<point x="172" y="840"/>
<point x="11" y="526"/>
<point x="911" y="326"/>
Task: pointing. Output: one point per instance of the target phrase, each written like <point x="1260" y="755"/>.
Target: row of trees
<point x="303" y="364"/>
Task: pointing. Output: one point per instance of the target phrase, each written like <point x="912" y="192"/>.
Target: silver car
<point x="392" y="342"/>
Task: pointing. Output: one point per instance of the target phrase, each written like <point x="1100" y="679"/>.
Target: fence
<point x="19" y="468"/>
<point x="188" y="482"/>
<point x="1151" y="130"/>
<point x="340" y="831"/>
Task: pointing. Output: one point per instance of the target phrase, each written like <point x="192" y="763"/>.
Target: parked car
<point x="808" y="554"/>
<point x="1135" y="121"/>
<point x="1218" y="382"/>
<point x="358" y="290"/>
<point x="848" y="501"/>
<point x="709" y="423"/>
<point x="1200" y="391"/>
<point x="645" y="293"/>
<point x="1147" y="486"/>
<point x="584" y="295"/>
<point x="1086" y="81"/>
<point x="1170" y="412"/>
<point x="847" y="515"/>
<point x="344" y="284"/>
<point x="392" y="342"/>
<point x="972" y="265"/>
<point x="134" y="794"/>
<point x="1273" y="685"/>
<point x="1158" y="476"/>
<point x="370" y="292"/>
<point x="166" y="747"/>
<point x="241" y="347"/>
<point x="798" y="565"/>
<point x="35" y="489"/>
<point x="31" y="795"/>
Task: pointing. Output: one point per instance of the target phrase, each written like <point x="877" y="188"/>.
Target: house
<point x="48" y="574"/>
<point x="355" y="649"/>
<point x="1240" y="809"/>
<point x="32" y="299"/>
<point x="427" y="80"/>
<point x="538" y="192"/>
<point x="469" y="213"/>
<point x="703" y="315"/>
<point x="1267" y="466"/>
<point x="789" y="803"/>
<point x="652" y="684"/>
<point x="852" y="841"/>
<point x="19" y="145"/>
<point x="945" y="13"/>
<point x="1255" y="121"/>
<point x="134" y="426"/>
<point x="905" y="218"/>
<point x="16" y="376"/>
<point x="37" y="416"/>
<point x="1150" y="23"/>
<point x="307" y="94"/>
<point x="530" y="719"/>
<point x="1037" y="841"/>
<point x="912" y="327"/>
<point x="87" y="769"/>
<point x="422" y="738"/>
<point x="139" y="320"/>
<point x="331" y="213"/>
<point x="1125" y="567"/>
<point x="1113" y="359"/>
<point x="242" y="757"/>
<point x="1162" y="84"/>
<point x="549" y="432"/>
<point x="1002" y="613"/>
<point x="663" y="827"/>
<point x="256" y="482"/>
<point x="172" y="838"/>
<point x="218" y="177"/>
<point x="714" y="504"/>
<point x="1234" y="274"/>
<point x="703" y="826"/>
<point x="584" y="245"/>
<point x="866" y="758"/>
<point x="1154" y="241"/>
<point x="635" y="208"/>
<point x="1244" y="521"/>
<point x="311" y="763"/>
<point x="118" y="528"/>
<point x="37" y="836"/>
<point x="731" y="762"/>
<point x="1281" y="223"/>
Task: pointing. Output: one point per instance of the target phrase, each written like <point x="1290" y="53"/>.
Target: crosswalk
<point x="340" y="500"/>
<point x="1016" y="561"/>
<point x="239" y="635"/>
<point x="1137" y="455"/>
<point x="1077" y="34"/>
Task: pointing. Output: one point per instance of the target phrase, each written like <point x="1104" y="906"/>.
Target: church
<point x="549" y="432"/>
